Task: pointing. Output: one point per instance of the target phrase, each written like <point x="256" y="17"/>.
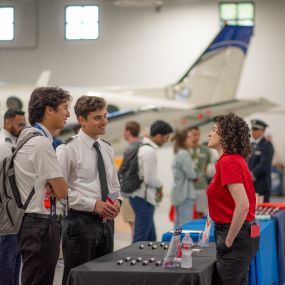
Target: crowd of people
<point x="77" y="177"/>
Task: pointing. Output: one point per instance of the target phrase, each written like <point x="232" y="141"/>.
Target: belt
<point x="225" y="227"/>
<point x="90" y="214"/>
<point x="57" y="218"/>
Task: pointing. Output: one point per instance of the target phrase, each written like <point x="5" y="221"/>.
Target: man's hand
<point x="105" y="209"/>
<point x="117" y="206"/>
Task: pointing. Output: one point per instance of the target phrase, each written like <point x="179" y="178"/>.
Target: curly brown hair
<point x="234" y="133"/>
<point x="42" y="97"/>
<point x="86" y="104"/>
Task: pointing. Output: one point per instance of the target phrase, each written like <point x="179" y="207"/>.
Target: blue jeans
<point x="144" y="223"/>
<point x="10" y="260"/>
<point x="184" y="212"/>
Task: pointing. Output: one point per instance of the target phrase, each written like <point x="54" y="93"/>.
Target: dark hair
<point x="133" y="127"/>
<point x="160" y="127"/>
<point x="234" y="133"/>
<point x="179" y="139"/>
<point x="193" y="128"/>
<point x="86" y="104"/>
<point x="12" y="113"/>
<point x="42" y="97"/>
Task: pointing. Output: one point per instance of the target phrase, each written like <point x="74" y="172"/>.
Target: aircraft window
<point x="82" y="22"/>
<point x="6" y="23"/>
<point x="236" y="13"/>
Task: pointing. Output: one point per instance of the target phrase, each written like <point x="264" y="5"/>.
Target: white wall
<point x="143" y="47"/>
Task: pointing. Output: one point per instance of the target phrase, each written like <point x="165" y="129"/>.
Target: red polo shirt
<point x="230" y="169"/>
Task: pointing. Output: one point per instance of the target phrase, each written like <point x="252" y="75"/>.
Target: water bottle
<point x="187" y="243"/>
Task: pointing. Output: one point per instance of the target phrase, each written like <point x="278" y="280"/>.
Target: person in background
<point x="231" y="199"/>
<point x="88" y="165"/>
<point x="183" y="194"/>
<point x="10" y="258"/>
<point x="36" y="166"/>
<point x="132" y="136"/>
<point x="201" y="157"/>
<point x="144" y="200"/>
<point x="260" y="161"/>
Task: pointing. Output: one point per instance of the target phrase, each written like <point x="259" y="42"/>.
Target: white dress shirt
<point x="34" y="164"/>
<point x="78" y="159"/>
<point x="7" y="138"/>
<point x="147" y="159"/>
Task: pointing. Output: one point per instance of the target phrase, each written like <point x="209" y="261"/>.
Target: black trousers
<point x="39" y="241"/>
<point x="85" y="238"/>
<point x="233" y="263"/>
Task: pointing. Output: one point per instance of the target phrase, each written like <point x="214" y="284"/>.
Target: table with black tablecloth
<point x="105" y="271"/>
<point x="264" y="266"/>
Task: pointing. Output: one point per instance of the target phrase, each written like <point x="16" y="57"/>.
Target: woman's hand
<point x="229" y="242"/>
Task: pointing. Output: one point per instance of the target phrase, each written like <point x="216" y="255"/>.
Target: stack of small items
<point x="265" y="212"/>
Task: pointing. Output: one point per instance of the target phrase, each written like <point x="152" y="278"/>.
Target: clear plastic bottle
<point x="187" y="243"/>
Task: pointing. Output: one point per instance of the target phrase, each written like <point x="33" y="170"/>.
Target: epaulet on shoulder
<point x="106" y="142"/>
<point x="70" y="139"/>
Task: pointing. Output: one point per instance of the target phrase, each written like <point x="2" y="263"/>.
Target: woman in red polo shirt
<point x="231" y="198"/>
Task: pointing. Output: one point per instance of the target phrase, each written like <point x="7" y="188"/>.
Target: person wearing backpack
<point x="149" y="194"/>
<point x="132" y="136"/>
<point x="10" y="258"/>
<point x="36" y="167"/>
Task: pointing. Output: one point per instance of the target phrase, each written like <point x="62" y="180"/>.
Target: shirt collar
<point x="257" y="141"/>
<point x="87" y="139"/>
<point x="151" y="142"/>
<point x="45" y="131"/>
<point x="8" y="135"/>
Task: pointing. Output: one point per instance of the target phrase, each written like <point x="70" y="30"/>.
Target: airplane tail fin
<point x="43" y="79"/>
<point x="214" y="77"/>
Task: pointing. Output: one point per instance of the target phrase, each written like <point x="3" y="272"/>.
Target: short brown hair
<point x="133" y="127"/>
<point x="42" y="97"/>
<point x="179" y="139"/>
<point x="86" y="104"/>
<point x="234" y="133"/>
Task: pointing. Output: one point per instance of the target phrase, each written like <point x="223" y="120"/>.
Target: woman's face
<point x="214" y="138"/>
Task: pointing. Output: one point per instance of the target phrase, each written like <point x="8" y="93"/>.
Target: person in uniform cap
<point x="260" y="161"/>
<point x="10" y="258"/>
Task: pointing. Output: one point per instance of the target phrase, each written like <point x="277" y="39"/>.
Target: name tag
<point x="257" y="152"/>
<point x="254" y="230"/>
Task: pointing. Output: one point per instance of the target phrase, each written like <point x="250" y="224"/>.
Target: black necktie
<point x="102" y="172"/>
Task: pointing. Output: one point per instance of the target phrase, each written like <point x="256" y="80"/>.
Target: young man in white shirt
<point x="88" y="166"/>
<point x="149" y="194"/>
<point x="10" y="258"/>
<point x="36" y="166"/>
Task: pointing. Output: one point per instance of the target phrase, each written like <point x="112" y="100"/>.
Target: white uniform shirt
<point x="7" y="138"/>
<point x="5" y="150"/>
<point x="147" y="159"/>
<point x="35" y="163"/>
<point x="78" y="159"/>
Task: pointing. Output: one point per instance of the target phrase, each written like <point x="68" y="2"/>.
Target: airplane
<point x="207" y="88"/>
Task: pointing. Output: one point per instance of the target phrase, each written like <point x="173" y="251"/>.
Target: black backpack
<point x="129" y="171"/>
<point x="12" y="208"/>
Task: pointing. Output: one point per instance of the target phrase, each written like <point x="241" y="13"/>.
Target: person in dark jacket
<point x="260" y="161"/>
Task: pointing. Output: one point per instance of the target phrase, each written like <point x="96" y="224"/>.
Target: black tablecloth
<point x="105" y="271"/>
